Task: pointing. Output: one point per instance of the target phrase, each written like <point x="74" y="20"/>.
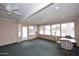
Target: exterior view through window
<point x="64" y="29"/>
<point x="56" y="29"/>
<point x="41" y="30"/>
<point x="68" y="29"/>
<point x="19" y="30"/>
<point x="24" y="33"/>
<point x="47" y="30"/>
<point x="32" y="30"/>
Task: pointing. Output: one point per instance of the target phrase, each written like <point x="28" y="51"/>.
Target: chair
<point x="65" y="44"/>
<point x="68" y="36"/>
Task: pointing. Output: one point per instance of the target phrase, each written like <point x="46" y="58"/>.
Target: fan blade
<point x="3" y="9"/>
<point x="2" y="5"/>
<point x="15" y="10"/>
<point x="16" y="13"/>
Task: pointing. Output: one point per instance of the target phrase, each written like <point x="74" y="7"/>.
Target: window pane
<point x="47" y="30"/>
<point x="24" y="31"/>
<point x="19" y="30"/>
<point x="32" y="30"/>
<point x="56" y="30"/>
<point x="41" y="30"/>
<point x="68" y="29"/>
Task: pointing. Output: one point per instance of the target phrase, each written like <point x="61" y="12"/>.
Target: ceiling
<point x="26" y="9"/>
<point x="38" y="13"/>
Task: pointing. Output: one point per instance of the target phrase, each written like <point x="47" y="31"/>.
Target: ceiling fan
<point x="10" y="9"/>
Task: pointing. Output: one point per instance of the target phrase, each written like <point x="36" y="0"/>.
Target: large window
<point x="67" y="29"/>
<point x="41" y="30"/>
<point x="62" y="30"/>
<point x="56" y="30"/>
<point x="47" y="30"/>
<point x="32" y="30"/>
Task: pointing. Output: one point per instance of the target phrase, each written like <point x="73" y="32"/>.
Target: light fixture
<point x="57" y="8"/>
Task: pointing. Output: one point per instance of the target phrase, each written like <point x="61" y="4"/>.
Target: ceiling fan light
<point x="57" y="8"/>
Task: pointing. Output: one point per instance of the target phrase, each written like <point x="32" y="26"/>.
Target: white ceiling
<point x="26" y="9"/>
<point x="65" y="11"/>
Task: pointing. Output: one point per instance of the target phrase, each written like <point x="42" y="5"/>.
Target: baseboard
<point x="9" y="44"/>
<point x="47" y="40"/>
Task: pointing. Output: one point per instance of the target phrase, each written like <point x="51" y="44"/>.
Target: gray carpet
<point x="36" y="47"/>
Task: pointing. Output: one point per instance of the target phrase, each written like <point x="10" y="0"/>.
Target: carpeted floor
<point x="36" y="47"/>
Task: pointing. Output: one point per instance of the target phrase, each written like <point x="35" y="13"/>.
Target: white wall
<point x="8" y="32"/>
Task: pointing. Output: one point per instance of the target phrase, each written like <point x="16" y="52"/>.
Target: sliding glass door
<point x="24" y="33"/>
